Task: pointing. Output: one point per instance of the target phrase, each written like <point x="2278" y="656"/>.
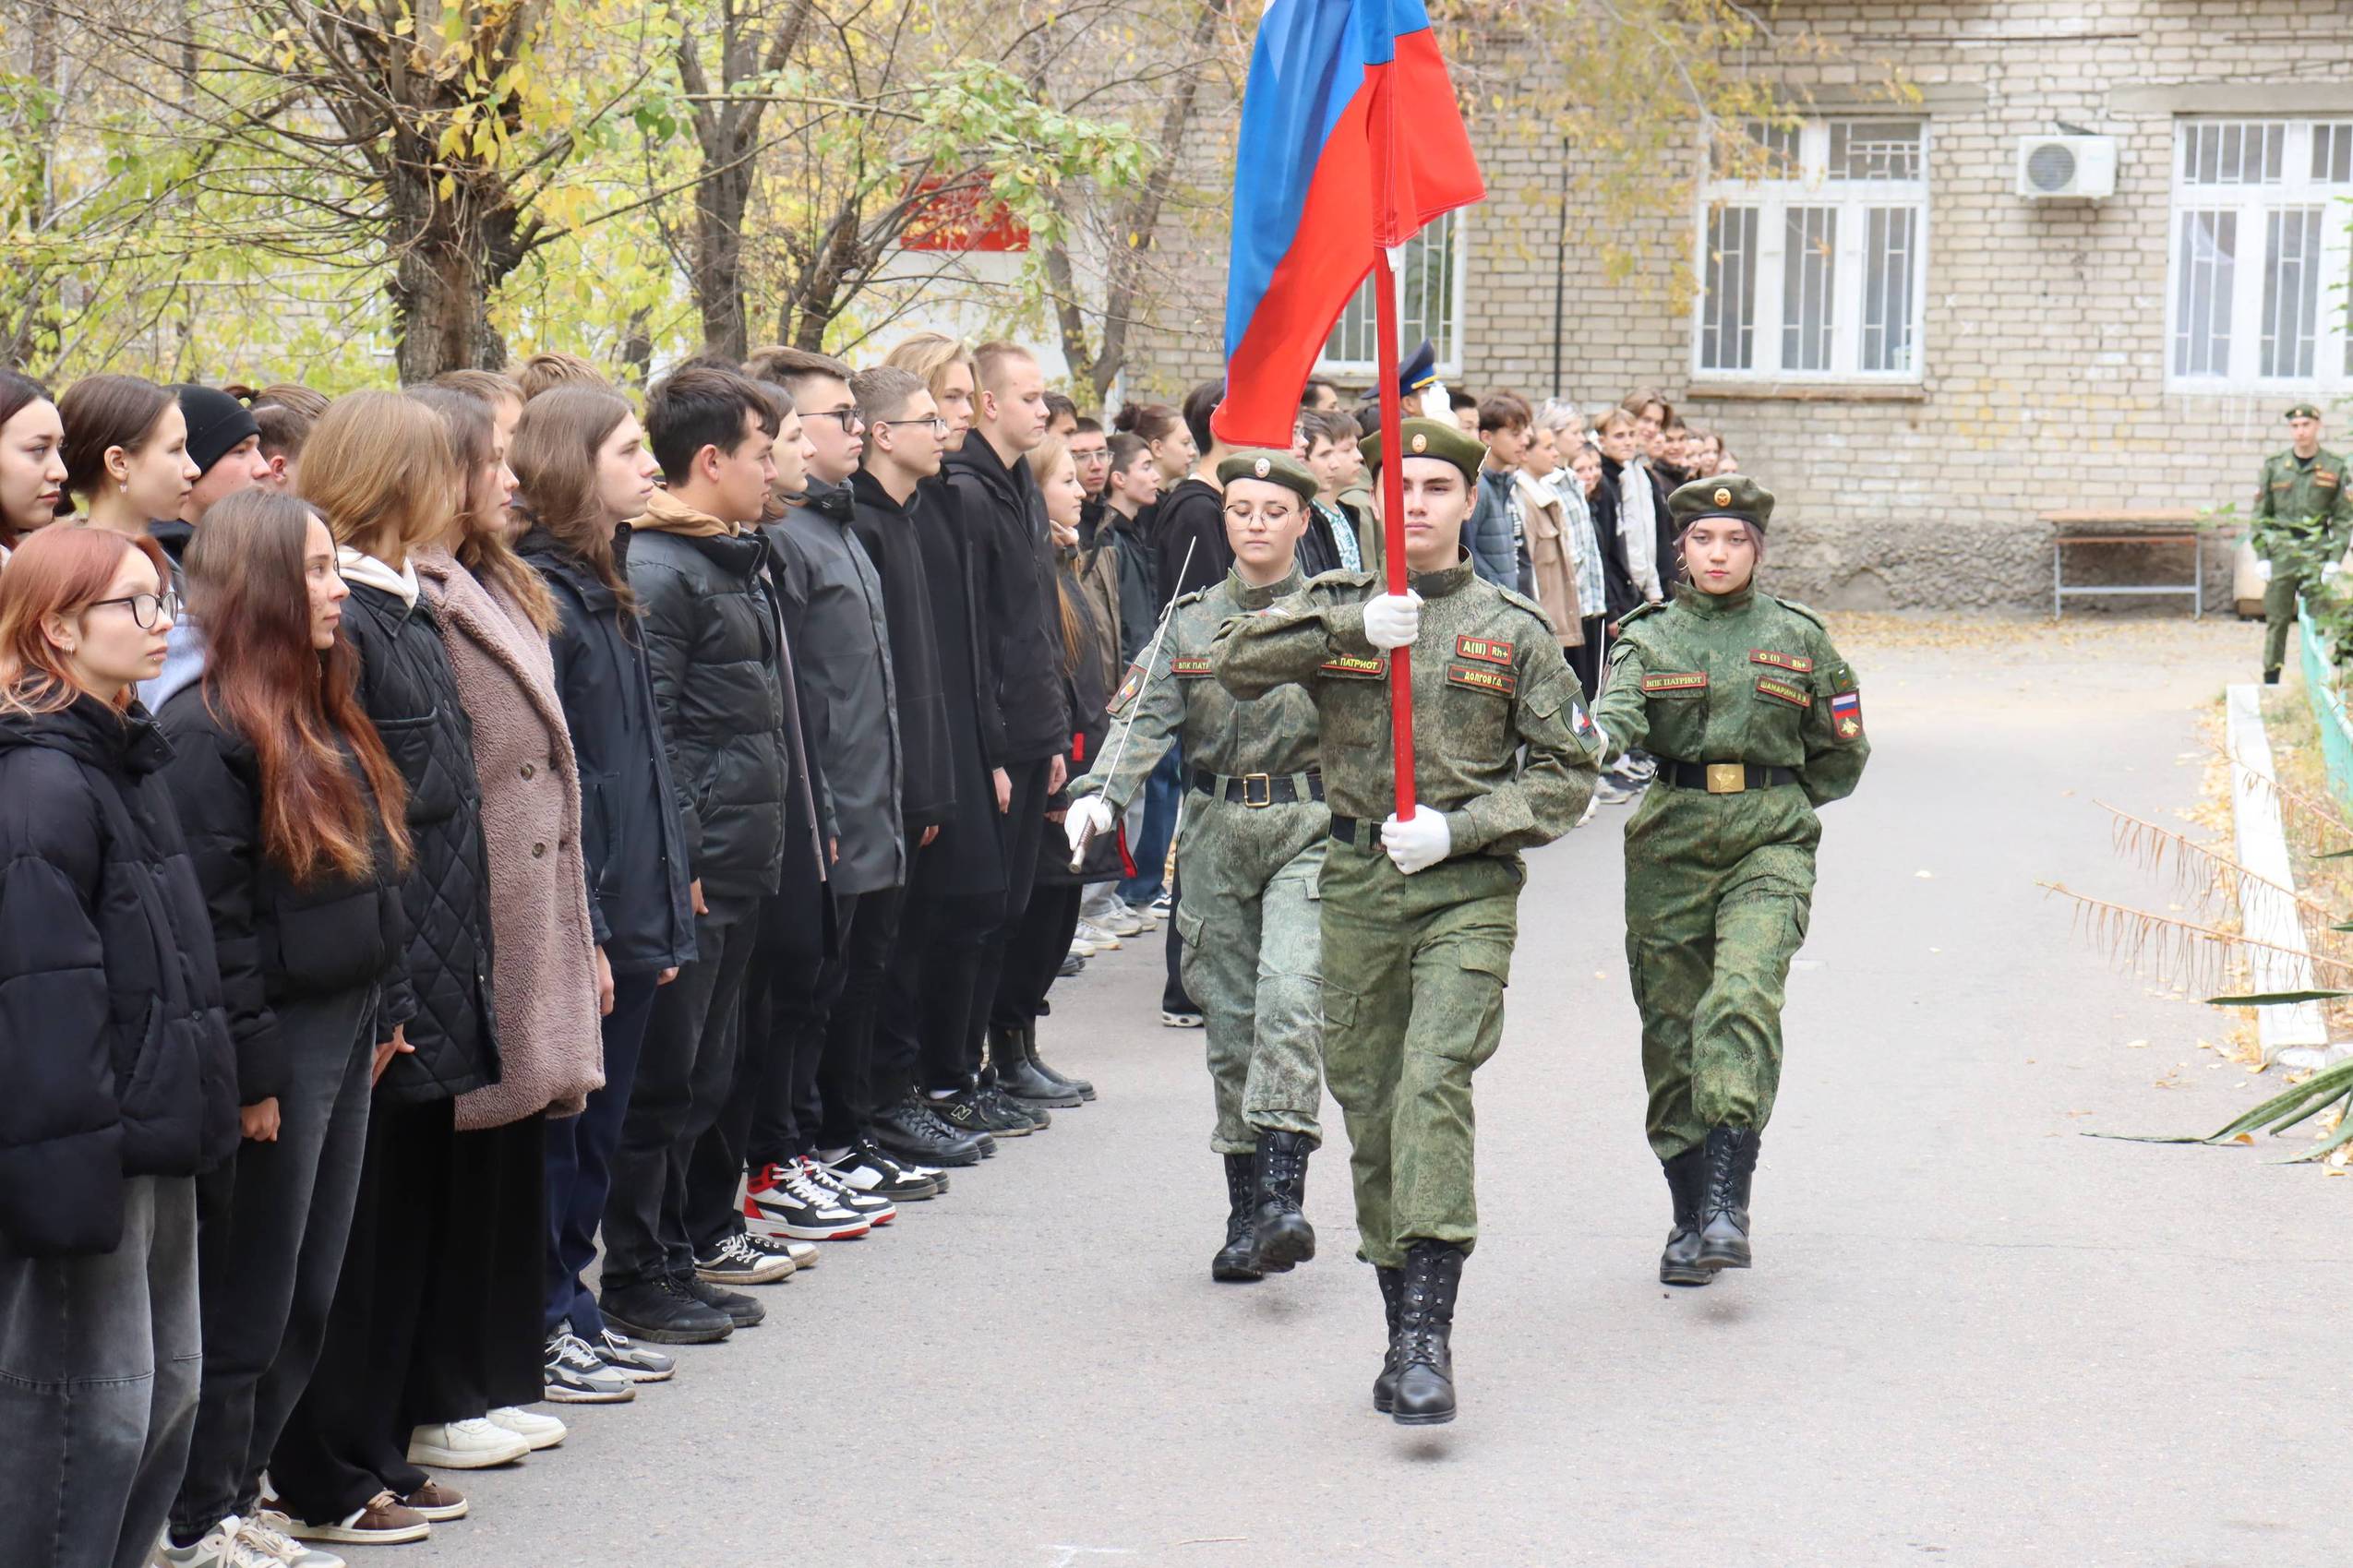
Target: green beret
<point x="1733" y="494"/>
<point x="1274" y="467"/>
<point x="1439" y="438"/>
<point x="2303" y="411"/>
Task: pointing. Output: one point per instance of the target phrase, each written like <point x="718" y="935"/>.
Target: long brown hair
<point x="101" y="412"/>
<point x="379" y="469"/>
<point x="554" y="458"/>
<point x="295" y="706"/>
<point x="57" y="572"/>
<point x="479" y="539"/>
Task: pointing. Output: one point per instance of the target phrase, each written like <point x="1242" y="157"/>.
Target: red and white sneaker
<point x="790" y="1202"/>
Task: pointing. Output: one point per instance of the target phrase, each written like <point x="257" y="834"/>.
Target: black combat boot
<point x="1732" y="1165"/>
<point x="2271" y="677"/>
<point x="1392" y="1282"/>
<point x="1238" y="1259"/>
<point x="1018" y="1076"/>
<point x="1285" y="1239"/>
<point x="1078" y="1086"/>
<point x="1425" y="1334"/>
<point x="1687" y="1182"/>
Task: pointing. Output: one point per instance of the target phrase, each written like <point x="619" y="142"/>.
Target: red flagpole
<point x="1393" y="522"/>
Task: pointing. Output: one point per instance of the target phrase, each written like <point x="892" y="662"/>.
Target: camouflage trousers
<point x="1718" y="891"/>
<point x="1252" y="961"/>
<point x="2279" y="613"/>
<point x="1414" y="970"/>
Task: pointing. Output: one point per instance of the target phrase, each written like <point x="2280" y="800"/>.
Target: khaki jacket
<point x="1555" y="574"/>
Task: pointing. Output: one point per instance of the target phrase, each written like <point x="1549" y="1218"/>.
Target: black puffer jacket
<point x="630" y="836"/>
<point x="926" y="783"/>
<point x="114" y="1053"/>
<point x="277" y="942"/>
<point x="444" y="999"/>
<point x="712" y="641"/>
<point x="1013" y="562"/>
<point x="967" y="845"/>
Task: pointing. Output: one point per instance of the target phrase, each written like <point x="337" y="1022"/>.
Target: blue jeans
<point x="580" y="1160"/>
<point x="1163" y="793"/>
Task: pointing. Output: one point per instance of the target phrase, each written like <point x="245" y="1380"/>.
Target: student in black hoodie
<point x="582" y="469"/>
<point x="294" y="815"/>
<point x="115" y="1052"/>
<point x="1005" y="516"/>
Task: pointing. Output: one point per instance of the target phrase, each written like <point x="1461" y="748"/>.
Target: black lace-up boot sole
<point x="1686" y="1177"/>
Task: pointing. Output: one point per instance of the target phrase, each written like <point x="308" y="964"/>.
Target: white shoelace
<point x="813" y="1194"/>
<point x="265" y="1533"/>
<point x="572" y="1352"/>
<point x="481" y="1427"/>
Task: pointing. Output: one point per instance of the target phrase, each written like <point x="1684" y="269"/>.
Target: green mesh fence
<point x="2327" y="697"/>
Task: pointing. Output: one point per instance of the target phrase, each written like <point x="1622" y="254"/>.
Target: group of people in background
<point x="445" y="830"/>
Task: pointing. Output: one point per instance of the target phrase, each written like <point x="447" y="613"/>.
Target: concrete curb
<point x="2293" y="1037"/>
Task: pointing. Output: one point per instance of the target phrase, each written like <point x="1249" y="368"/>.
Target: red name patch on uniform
<point x="1483" y="649"/>
<point x="1696" y="680"/>
<point x="1358" y="669"/>
<point x="1798" y="662"/>
<point x="2323" y="476"/>
<point x="1189" y="668"/>
<point x="1503" y="683"/>
<point x="1769" y="686"/>
<point x="1846" y="714"/>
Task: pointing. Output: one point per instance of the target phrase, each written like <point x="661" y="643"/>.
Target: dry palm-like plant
<point x="2184" y="953"/>
<point x="2201" y="872"/>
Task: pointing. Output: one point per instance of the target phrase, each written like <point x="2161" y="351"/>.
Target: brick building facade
<point x="1918" y="360"/>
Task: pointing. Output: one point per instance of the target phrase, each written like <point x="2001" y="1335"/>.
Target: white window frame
<point x="1809" y="185"/>
<point x="1452" y="228"/>
<point x="2253" y="202"/>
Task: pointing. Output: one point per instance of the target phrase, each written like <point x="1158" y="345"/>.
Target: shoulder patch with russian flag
<point x="1129" y="687"/>
<point x="1484" y="649"/>
<point x="1797" y="663"/>
<point x="1846" y="714"/>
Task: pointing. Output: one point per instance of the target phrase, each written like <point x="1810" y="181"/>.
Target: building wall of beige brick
<point x="2045" y="344"/>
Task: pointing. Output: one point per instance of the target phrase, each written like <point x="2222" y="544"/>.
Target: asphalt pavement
<point x="1973" y="1336"/>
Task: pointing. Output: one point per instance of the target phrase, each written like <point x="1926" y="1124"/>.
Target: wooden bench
<point x="2110" y="526"/>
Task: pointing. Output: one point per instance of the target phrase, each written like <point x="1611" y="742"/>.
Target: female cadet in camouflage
<point x="1253" y="831"/>
<point x="1754" y="721"/>
<point x="1420" y="916"/>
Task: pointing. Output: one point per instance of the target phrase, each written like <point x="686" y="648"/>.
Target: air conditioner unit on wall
<point x="2066" y="168"/>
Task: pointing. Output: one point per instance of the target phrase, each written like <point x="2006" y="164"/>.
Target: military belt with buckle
<point x="1259" y="790"/>
<point x="1723" y="778"/>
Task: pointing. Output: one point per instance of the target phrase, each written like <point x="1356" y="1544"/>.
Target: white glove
<point x="1084" y="819"/>
<point x="1601" y="738"/>
<point x="1393" y="620"/>
<point x="2331" y="570"/>
<point x="1419" y="844"/>
<point x="2262" y="571"/>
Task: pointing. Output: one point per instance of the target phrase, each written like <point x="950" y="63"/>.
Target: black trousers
<point x="273" y="1224"/>
<point x="840" y="1101"/>
<point x="484" y="1308"/>
<point x="683" y="1077"/>
<point x="923" y="1029"/>
<point x="1019" y="830"/>
<point x="1172" y="996"/>
<point x="1585" y="662"/>
<point x="1035" y="957"/>
<point x="348" y="1436"/>
<point x="580" y="1161"/>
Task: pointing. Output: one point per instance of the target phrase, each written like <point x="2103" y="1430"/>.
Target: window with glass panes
<point x="1816" y="267"/>
<point x="2259" y="258"/>
<point x="1429" y="305"/>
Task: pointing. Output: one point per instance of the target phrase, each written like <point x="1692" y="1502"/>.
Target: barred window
<point x="2260" y="258"/>
<point x="1429" y="305"/>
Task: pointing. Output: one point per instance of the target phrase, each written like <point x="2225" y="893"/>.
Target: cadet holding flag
<point x="1754" y="721"/>
<point x="2302" y="517"/>
<point x="1254" y="828"/>
<point x="1420" y="915"/>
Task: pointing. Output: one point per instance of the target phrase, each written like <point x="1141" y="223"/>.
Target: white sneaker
<point x="1146" y="917"/>
<point x="1098" y="938"/>
<point x="270" y="1534"/>
<point x="540" y="1431"/>
<point x="222" y="1546"/>
<point x="1081" y="947"/>
<point x="1121" y="921"/>
<point x="472" y="1445"/>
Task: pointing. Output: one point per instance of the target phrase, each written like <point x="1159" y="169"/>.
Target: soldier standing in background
<point x="1420" y="916"/>
<point x="1254" y="830"/>
<point x="2300" y="513"/>
<point x="1754" y="721"/>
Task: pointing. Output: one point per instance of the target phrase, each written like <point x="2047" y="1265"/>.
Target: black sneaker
<point x="741" y="1309"/>
<point x="867" y="1169"/>
<point x="875" y="1211"/>
<point x="908" y="1129"/>
<point x="773" y="1247"/>
<point x="654" y="1311"/>
<point x="1016" y="1118"/>
<point x="960" y="1113"/>
<point x="736" y="1262"/>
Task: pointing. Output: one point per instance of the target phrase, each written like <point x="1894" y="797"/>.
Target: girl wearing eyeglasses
<point x="115" y="1052"/>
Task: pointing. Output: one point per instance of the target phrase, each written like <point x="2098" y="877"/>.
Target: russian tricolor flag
<point x="1350" y="140"/>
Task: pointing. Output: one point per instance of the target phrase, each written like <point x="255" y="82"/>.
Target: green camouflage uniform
<point x="1414" y="967"/>
<point x="1718" y="887"/>
<point x="1248" y="914"/>
<point x="2298" y="498"/>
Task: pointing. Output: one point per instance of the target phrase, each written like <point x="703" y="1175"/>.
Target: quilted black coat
<point x="443" y="1000"/>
